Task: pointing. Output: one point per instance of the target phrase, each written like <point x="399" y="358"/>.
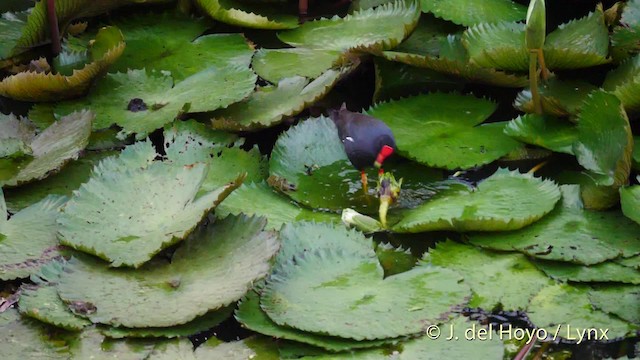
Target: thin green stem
<point x="533" y="80"/>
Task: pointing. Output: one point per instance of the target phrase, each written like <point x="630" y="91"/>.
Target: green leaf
<point x="625" y="39"/>
<point x="630" y="202"/>
<point x="214" y="267"/>
<point x="72" y="175"/>
<point x="90" y="344"/>
<point x="270" y="105"/>
<point x="172" y="42"/>
<point x="24" y="338"/>
<point x="428" y="37"/>
<point x="151" y="206"/>
<point x="624" y="82"/>
<point x="454" y="139"/>
<point x="53" y="147"/>
<point x="559" y="98"/>
<point x="339" y="293"/>
<point x="544" y="131"/>
<point x="593" y="196"/>
<point x="380" y="28"/>
<point x="197" y="325"/>
<point x="42" y="302"/>
<point x="176" y="349"/>
<point x="114" y="98"/>
<point x="579" y="43"/>
<point x="472" y="13"/>
<point x="251" y="316"/>
<point x="604" y="272"/>
<point x="501" y="46"/>
<point x="251" y="348"/>
<point x="605" y="142"/>
<point x="632" y="262"/>
<point x="256" y="15"/>
<point x="621" y="301"/>
<point x="564" y="310"/>
<point x="46" y="86"/>
<point x="395" y="260"/>
<point x="571" y="234"/>
<point x="310" y="158"/>
<point x="505" y="281"/>
<point x="261" y="200"/>
<point x="490" y="207"/>
<point x="11" y="27"/>
<point x="275" y="65"/>
<point x="28" y="239"/>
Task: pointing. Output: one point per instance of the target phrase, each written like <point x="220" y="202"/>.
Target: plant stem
<point x="533" y="80"/>
<point x="54" y="30"/>
<point x="543" y="66"/>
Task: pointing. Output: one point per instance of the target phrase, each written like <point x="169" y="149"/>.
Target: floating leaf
<point x="64" y="182"/>
<point x="571" y="234"/>
<point x="26" y="339"/>
<point x="165" y="42"/>
<point x="251" y="348"/>
<point x="625" y="39"/>
<point x="269" y="105"/>
<point x="621" y="301"/>
<point x="624" y="82"/>
<point x="544" y="131"/>
<point x="28" y="239"/>
<point x="43" y="303"/>
<point x="505" y="281"/>
<point x="38" y="86"/>
<point x="54" y="147"/>
<point x="382" y="28"/>
<point x="248" y="15"/>
<point x="605" y="142"/>
<point x="214" y="267"/>
<point x="454" y="139"/>
<point x="12" y="26"/>
<point x="490" y="207"/>
<point x="251" y="316"/>
<point x="472" y="13"/>
<point x="593" y="196"/>
<point x="275" y="65"/>
<point x="340" y="293"/>
<point x="261" y="200"/>
<point x="395" y="260"/>
<point x="151" y="206"/>
<point x="563" y="310"/>
<point x="559" y="98"/>
<point x="630" y="201"/>
<point x="604" y="272"/>
<point x="141" y="103"/>
<point x="197" y="325"/>
<point x="501" y="46"/>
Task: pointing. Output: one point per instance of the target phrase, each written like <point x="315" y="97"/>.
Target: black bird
<point x="367" y="140"/>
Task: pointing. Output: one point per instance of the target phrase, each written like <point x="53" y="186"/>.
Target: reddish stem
<point x="54" y="30"/>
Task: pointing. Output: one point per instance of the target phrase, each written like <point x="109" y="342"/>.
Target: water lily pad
<point x="214" y="267"/>
<point x="172" y="42"/>
<point x="593" y="196"/>
<point x="40" y="86"/>
<point x="251" y="316"/>
<point x="151" y="206"/>
<point x="251" y="15"/>
<point x="626" y="35"/>
<point x="42" y="302"/>
<point x="605" y="142"/>
<point x="490" y="207"/>
<point x="571" y="234"/>
<point x="604" y="272"/>
<point x="72" y="175"/>
<point x="261" y="200"/>
<point x="275" y="65"/>
<point x="630" y="202"/>
<point x="175" y="349"/>
<point x="197" y="325"/>
<point x="632" y="262"/>
<point x="558" y="98"/>
<point x="257" y="347"/>
<point x="505" y="281"/>
<point x="382" y="28"/>
<point x="28" y="239"/>
<point x="53" y="147"/>
<point x="395" y="260"/>
<point x="563" y="310"/>
<point x="12" y="26"/>
<point x="454" y="138"/>
<point x="269" y="105"/>
<point x="497" y="45"/>
<point x="621" y="301"/>
<point x="347" y="297"/>
<point x="544" y="131"/>
<point x="25" y="338"/>
<point x="624" y="82"/>
<point x="141" y="103"/>
<point x="472" y="13"/>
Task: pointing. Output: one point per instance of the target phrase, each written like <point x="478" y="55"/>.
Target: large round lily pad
<point x="476" y="12"/>
<point x="214" y="267"/>
<point x="132" y="212"/>
<point x="452" y="136"/>
<point x="335" y="292"/>
<point x="277" y="64"/>
<point x="504" y="201"/>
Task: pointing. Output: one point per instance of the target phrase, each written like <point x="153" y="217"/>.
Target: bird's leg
<point x="363" y="178"/>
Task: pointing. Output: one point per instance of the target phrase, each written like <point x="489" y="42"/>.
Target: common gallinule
<point x="367" y="140"/>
